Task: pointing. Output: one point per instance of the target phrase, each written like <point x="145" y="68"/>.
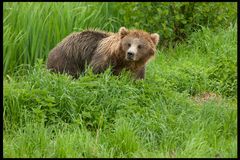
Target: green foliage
<point x="206" y="62"/>
<point x="223" y="76"/>
<point x="35" y="140"/>
<point x="52" y="115"/>
<point x="175" y="21"/>
<point x="31" y="30"/>
<point x="123" y="139"/>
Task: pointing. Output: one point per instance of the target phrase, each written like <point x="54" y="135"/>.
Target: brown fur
<point x="101" y="50"/>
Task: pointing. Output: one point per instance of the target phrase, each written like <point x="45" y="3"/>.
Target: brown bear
<point x="127" y="49"/>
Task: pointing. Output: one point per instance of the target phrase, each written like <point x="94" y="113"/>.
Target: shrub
<point x="175" y="21"/>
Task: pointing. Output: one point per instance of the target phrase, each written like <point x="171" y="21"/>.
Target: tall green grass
<point x="31" y="30"/>
<point x="166" y="115"/>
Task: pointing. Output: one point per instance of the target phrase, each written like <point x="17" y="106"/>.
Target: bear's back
<point x="81" y="45"/>
<point x="89" y="42"/>
<point x="74" y="51"/>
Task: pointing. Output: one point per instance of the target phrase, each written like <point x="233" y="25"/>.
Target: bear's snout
<point x="130" y="55"/>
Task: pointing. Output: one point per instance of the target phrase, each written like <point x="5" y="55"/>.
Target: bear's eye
<point x="129" y="44"/>
<point x="139" y="46"/>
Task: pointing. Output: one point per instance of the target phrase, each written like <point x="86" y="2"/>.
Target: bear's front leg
<point x="99" y="63"/>
<point x="140" y="73"/>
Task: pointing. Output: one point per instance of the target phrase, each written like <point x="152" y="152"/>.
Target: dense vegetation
<point x="28" y="37"/>
<point x="186" y="106"/>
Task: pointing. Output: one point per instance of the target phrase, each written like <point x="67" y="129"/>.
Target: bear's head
<point x="138" y="45"/>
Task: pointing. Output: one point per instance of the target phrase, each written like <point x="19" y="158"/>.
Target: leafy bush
<point x="175" y="21"/>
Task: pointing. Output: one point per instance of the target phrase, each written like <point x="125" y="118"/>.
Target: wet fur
<point x="74" y="51"/>
<point x="99" y="50"/>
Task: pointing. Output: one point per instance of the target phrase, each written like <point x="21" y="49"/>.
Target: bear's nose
<point x="130" y="54"/>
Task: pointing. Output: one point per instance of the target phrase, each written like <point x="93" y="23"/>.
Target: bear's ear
<point x="155" y="38"/>
<point x="123" y="32"/>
